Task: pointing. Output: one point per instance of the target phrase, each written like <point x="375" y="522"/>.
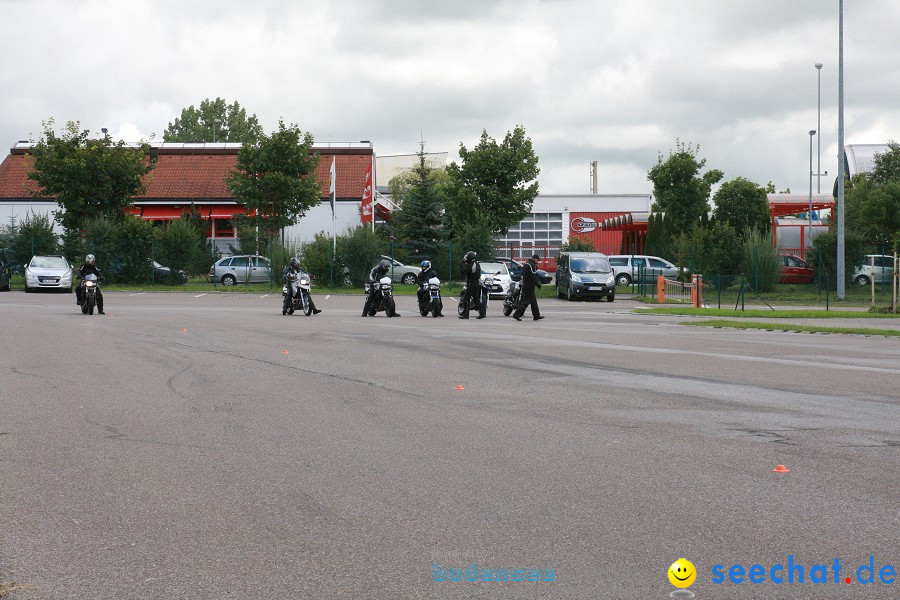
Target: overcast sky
<point x="613" y="81"/>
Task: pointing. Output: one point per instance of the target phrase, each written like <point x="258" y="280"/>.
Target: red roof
<point x="199" y="174"/>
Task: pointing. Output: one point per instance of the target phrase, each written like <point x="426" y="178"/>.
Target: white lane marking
<point x="199" y="295"/>
<point x="328" y="296"/>
<point x="138" y="294"/>
<point x="264" y="296"/>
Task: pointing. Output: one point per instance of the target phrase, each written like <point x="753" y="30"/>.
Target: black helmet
<point x="89" y="259"/>
<point x="470" y="256"/>
<point x="295" y="264"/>
<point x="426" y="264"/>
<point x="384" y="266"/>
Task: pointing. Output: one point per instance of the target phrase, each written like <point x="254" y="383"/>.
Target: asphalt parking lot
<point x="205" y="446"/>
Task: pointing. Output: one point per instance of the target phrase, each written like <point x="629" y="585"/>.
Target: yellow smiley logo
<point x="682" y="573"/>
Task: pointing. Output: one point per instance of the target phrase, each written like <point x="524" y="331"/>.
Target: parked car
<point x="796" y="270"/>
<point x="405" y="274"/>
<point x="515" y="270"/>
<point x="5" y="271"/>
<point x="881" y="273"/>
<point x="160" y="272"/>
<point x="241" y="269"/>
<point x="627" y="267"/>
<point x="48" y="273"/>
<point x="502" y="279"/>
<point x="585" y="275"/>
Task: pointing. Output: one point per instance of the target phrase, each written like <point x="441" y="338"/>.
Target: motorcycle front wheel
<point x="461" y="308"/>
<point x="89" y="303"/>
<point x="390" y="309"/>
<point x="436" y="307"/>
<point x="507" y="309"/>
<point x="307" y="305"/>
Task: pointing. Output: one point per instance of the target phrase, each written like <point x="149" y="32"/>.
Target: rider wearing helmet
<point x="472" y="272"/>
<point x="378" y="271"/>
<point x="294" y="269"/>
<point x="422" y="278"/>
<point x="89" y="268"/>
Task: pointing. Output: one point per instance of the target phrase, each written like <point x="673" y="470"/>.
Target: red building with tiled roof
<point x="188" y="174"/>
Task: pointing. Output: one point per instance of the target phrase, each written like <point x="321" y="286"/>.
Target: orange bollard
<point x="660" y="289"/>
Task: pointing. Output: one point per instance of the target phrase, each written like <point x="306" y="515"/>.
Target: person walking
<point x="530" y="282"/>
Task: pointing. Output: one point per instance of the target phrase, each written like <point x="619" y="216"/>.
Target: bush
<point x="358" y="251"/>
<point x="824" y="253"/>
<point x="715" y="249"/>
<point x="315" y="256"/>
<point x="177" y="246"/>
<point x="760" y="261"/>
<point x="34" y="236"/>
<point x="280" y="256"/>
<point x="577" y="244"/>
<point x="122" y="247"/>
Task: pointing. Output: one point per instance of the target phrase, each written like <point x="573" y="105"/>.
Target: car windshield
<point x="493" y="267"/>
<point x="590" y="265"/>
<point x="49" y="262"/>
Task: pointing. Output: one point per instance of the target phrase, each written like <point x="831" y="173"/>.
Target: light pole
<point x="840" y="194"/>
<point x="812" y="132"/>
<point x="819" y="128"/>
<point x="216" y="123"/>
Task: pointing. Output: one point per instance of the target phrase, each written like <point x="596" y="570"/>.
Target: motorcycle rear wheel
<point x="461" y="308"/>
<point x="507" y="309"/>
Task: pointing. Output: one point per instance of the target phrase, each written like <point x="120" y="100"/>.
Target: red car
<point x="796" y="270"/>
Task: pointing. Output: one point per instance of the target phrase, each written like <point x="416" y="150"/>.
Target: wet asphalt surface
<point x="205" y="446"/>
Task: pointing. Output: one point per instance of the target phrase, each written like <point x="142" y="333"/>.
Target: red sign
<point x="367" y="204"/>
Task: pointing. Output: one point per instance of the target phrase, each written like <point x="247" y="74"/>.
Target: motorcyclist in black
<point x="472" y="271"/>
<point x="89" y="268"/>
<point x="422" y="278"/>
<point x="530" y="281"/>
<point x="378" y="271"/>
<point x="294" y="268"/>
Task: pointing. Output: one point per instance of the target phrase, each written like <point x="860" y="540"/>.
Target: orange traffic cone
<point x="285" y="352"/>
<point x="459" y="387"/>
<point x="781" y="469"/>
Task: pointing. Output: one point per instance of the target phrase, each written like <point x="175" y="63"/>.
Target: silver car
<point x="48" y="273"/>
<point x="882" y="273"/>
<point x="626" y="267"/>
<point x="232" y="270"/>
<point x="405" y="274"/>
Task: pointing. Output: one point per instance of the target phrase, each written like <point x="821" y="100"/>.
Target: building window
<point x="538" y="229"/>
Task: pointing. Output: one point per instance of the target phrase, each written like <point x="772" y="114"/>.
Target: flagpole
<point x="333" y="218"/>
<point x="373" y="190"/>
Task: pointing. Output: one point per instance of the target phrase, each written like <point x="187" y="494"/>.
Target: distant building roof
<point x="860" y="158"/>
<point x="198" y="171"/>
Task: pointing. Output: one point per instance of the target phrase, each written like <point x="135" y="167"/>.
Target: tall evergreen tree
<point x="420" y="220"/>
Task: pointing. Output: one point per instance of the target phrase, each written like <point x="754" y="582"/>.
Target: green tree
<point x="887" y="165"/>
<point x="742" y="204"/>
<point x="494" y="186"/>
<point x="214" y="121"/>
<point x="881" y="213"/>
<point x="714" y="249"/>
<point x="275" y="179"/>
<point x="660" y="240"/>
<point x="34" y="236"/>
<point x="680" y="191"/>
<point x="357" y="252"/>
<point x="88" y="176"/>
<point x="419" y="222"/>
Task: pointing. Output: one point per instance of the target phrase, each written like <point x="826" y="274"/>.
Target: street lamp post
<point x="819" y="128"/>
<point x="812" y="132"/>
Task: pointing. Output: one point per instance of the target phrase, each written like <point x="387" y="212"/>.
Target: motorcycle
<point x="90" y="286"/>
<point x="430" y="299"/>
<point x="300" y="287"/>
<point x="511" y="302"/>
<point x="485" y="286"/>
<point x="384" y="297"/>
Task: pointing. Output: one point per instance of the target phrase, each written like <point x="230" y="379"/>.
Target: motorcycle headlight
<point x="88" y="284"/>
<point x="304" y="282"/>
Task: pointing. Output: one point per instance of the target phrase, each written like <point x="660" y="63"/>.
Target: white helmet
<point x="89" y="259"/>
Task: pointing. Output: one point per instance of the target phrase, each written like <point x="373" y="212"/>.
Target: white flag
<point x="332" y="189"/>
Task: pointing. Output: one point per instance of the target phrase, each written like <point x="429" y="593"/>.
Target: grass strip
<point x="718" y="323"/>
<point x="767" y="314"/>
